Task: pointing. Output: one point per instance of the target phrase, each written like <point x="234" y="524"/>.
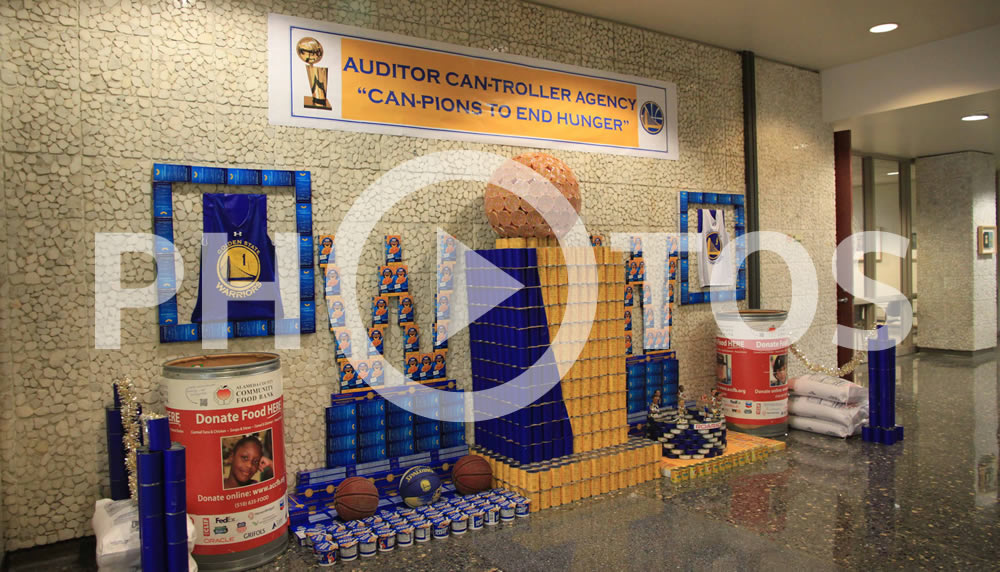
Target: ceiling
<point x="929" y="129"/>
<point x="814" y="34"/>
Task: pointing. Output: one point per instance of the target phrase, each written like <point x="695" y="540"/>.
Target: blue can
<point x="386" y="539"/>
<point x="422" y="531"/>
<point x="492" y="514"/>
<point x="476" y="518"/>
<point x="440" y="528"/>
<point x="459" y="522"/>
<point x="404" y="535"/>
<point x="367" y="545"/>
<point x="507" y="511"/>
<point x="522" y="507"/>
<point x="348" y="548"/>
<point x="326" y="553"/>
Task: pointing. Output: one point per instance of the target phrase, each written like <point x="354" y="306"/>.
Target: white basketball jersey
<point x="713" y="269"/>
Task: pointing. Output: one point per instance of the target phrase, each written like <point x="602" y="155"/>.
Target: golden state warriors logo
<point x="651" y="117"/>
<point x="713" y="246"/>
<point x="238" y="269"/>
<point x="425" y="485"/>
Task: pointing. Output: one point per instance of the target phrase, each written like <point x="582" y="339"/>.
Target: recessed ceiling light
<point x="883" y="28"/>
<point x="976" y="117"/>
<point x="892" y="174"/>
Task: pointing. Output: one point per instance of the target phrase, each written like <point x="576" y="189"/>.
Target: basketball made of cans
<point x="511" y="215"/>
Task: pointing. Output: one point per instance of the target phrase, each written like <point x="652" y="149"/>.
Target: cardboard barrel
<point x="752" y="373"/>
<point x="226" y="409"/>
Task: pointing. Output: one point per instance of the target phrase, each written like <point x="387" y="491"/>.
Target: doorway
<point x="884" y="199"/>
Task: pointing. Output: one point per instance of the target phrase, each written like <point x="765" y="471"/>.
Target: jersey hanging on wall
<point x="713" y="269"/>
<point x="246" y="263"/>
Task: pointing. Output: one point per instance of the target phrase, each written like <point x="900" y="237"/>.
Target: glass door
<point x="884" y="201"/>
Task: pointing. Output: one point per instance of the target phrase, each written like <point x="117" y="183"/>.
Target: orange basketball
<point x="472" y="474"/>
<point x="356" y="498"/>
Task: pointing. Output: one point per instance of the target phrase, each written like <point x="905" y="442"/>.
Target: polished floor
<point x="825" y="503"/>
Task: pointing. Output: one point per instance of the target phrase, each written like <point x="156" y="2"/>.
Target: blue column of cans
<point x="341" y="434"/>
<point x="162" y="500"/>
<point x="400" y="428"/>
<point x="452" y="432"/>
<point x="509" y="340"/>
<point x="645" y="375"/>
<point x="117" y="474"/>
<point x="881" y="427"/>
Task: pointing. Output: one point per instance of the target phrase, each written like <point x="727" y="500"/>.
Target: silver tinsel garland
<point x="131" y="430"/>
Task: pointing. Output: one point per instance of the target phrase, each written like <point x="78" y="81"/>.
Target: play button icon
<point x="497" y="284"/>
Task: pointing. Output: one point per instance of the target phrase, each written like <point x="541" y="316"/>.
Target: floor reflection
<point x="930" y="501"/>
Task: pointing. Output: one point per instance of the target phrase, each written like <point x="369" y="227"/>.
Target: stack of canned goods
<point x="384" y="531"/>
<point x="691" y="433"/>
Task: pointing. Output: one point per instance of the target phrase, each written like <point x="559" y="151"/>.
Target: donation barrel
<point x="226" y="409"/>
<point x="752" y="373"/>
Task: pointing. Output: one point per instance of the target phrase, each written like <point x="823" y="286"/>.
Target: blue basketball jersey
<point x="247" y="262"/>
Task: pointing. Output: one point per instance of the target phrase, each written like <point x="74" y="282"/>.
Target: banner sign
<point x="328" y="76"/>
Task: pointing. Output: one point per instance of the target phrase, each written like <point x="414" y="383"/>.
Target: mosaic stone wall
<point x="94" y="91"/>
<point x="956" y="193"/>
<point x="796" y="180"/>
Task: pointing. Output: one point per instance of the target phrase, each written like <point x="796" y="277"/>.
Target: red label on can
<point x="752" y="377"/>
<point x="233" y="432"/>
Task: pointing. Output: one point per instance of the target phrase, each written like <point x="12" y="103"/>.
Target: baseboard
<point x="73" y="554"/>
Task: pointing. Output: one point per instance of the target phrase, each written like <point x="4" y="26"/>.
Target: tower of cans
<point x="510" y="341"/>
<point x="691" y="433"/>
<point x="573" y="441"/>
<point x="162" y="500"/>
<point x="881" y="426"/>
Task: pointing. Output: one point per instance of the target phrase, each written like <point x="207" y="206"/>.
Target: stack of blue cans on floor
<point x="691" y="433"/>
<point x="427" y="430"/>
<point x="400" y="428"/>
<point x="117" y="474"/>
<point x="645" y="375"/>
<point x="162" y="500"/>
<point x="364" y="427"/>
<point x="881" y="426"/>
<point x="510" y="341"/>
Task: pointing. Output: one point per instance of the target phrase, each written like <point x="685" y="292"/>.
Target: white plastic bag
<point x="116" y="526"/>
<point x="822" y="426"/>
<point x="827" y="387"/>
<point x="845" y="414"/>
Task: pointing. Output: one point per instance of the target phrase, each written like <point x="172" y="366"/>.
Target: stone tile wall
<point x="94" y="91"/>
<point x="956" y="193"/>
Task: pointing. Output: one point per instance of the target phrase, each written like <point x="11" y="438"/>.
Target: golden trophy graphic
<point x="311" y="51"/>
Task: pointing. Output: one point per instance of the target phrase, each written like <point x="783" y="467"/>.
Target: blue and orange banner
<point x="328" y="76"/>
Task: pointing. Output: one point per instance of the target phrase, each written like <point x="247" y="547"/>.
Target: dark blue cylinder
<point x="117" y="475"/>
<point x="177" y="557"/>
<point x="150" y="500"/>
<point x="158" y="434"/>
<point x="176" y="527"/>
<point x="149" y="465"/>
<point x="152" y="542"/>
<point x="175" y="496"/>
<point x="174" y="463"/>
